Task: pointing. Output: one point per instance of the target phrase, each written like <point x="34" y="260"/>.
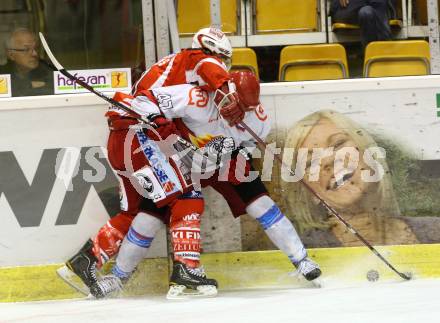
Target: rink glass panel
<point x="107" y="34"/>
<point x="82" y="35"/>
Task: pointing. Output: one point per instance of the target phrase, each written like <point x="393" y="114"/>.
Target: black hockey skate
<point x="308" y="268"/>
<point x="83" y="265"/>
<point x="111" y="285"/>
<point x="188" y="282"/>
<point x="106" y="286"/>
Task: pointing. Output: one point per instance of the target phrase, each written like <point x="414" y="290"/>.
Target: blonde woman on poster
<point x="370" y="206"/>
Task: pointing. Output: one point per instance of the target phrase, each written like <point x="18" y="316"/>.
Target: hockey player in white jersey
<point x="210" y="122"/>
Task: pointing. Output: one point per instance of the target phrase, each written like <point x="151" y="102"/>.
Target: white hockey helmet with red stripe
<point x="213" y="40"/>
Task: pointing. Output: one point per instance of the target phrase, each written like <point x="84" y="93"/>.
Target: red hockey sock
<point x="185" y="230"/>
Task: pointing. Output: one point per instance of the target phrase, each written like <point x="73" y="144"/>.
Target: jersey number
<point x="165" y="102"/>
<point x="198" y="97"/>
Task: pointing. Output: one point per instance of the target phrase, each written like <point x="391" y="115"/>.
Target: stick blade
<point x="407" y="275"/>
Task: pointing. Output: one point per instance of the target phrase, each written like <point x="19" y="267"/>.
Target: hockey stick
<point x="58" y="67"/>
<point x="262" y="145"/>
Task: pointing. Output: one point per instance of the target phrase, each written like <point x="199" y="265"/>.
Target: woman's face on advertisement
<point x="339" y="179"/>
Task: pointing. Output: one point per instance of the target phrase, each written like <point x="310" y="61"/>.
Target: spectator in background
<point x="29" y="75"/>
<point x="371" y="15"/>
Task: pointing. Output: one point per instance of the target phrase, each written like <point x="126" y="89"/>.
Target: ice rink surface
<point x="391" y="302"/>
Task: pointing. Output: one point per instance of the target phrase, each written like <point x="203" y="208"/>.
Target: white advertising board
<point x="103" y="80"/>
<point x="404" y="110"/>
<point x="5" y="85"/>
<point x="47" y="213"/>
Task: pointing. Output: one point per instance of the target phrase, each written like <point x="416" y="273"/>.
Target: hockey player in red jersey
<point x="202" y="65"/>
<point x="205" y="64"/>
<point x="201" y="121"/>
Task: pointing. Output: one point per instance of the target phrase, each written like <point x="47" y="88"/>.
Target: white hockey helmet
<point x="215" y="41"/>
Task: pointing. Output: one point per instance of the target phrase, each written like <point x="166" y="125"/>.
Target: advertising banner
<point x="56" y="185"/>
<point x="5" y="86"/>
<point x="371" y="152"/>
<point x="103" y="80"/>
<point x="370" y="148"/>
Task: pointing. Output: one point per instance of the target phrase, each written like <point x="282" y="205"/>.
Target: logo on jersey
<point x="260" y="113"/>
<point x="193" y="195"/>
<point x="198" y="97"/>
<point x="145" y="182"/>
<point x="186" y="234"/>
<point x="192" y="217"/>
<point x="159" y="164"/>
<point x="220" y="144"/>
<point x="168" y="187"/>
<point x="201" y="141"/>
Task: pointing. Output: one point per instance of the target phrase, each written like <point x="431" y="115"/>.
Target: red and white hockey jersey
<point x="190" y="66"/>
<point x="196" y="116"/>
